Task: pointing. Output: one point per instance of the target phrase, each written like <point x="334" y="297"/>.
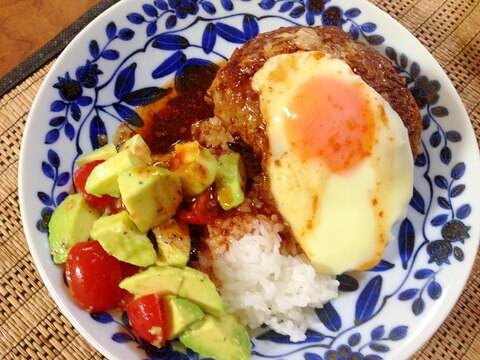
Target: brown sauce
<point x="169" y="120"/>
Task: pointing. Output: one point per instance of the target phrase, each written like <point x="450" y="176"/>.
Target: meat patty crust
<point x="237" y="104"/>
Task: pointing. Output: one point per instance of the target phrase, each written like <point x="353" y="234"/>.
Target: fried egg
<point x="340" y="164"/>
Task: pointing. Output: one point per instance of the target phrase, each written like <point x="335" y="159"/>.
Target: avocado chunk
<point x="199" y="289"/>
<point x="162" y="280"/>
<point x="179" y="315"/>
<point x="150" y="194"/>
<point x="70" y="224"/>
<point x="230" y="180"/>
<point x="222" y="338"/>
<point x="195" y="166"/>
<point x="173" y="240"/>
<point x="103" y="153"/>
<point x="104" y="177"/>
<point x="138" y="147"/>
<point x="120" y="237"/>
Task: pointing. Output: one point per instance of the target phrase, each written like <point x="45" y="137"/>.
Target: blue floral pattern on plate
<point x="108" y="82"/>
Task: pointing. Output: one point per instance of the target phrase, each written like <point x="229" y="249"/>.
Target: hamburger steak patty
<point x="237" y="104"/>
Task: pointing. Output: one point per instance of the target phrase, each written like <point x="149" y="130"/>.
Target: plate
<point x="134" y="47"/>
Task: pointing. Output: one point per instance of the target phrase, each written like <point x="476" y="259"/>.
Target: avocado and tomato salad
<point x="124" y="239"/>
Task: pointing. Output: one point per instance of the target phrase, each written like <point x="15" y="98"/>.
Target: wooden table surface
<point x="27" y="25"/>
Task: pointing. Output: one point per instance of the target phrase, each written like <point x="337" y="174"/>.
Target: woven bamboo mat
<point x="31" y="325"/>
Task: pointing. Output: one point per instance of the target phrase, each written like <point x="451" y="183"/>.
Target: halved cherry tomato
<point x="125" y="296"/>
<point x="93" y="276"/>
<point x="80" y="178"/>
<point x="146" y="318"/>
<point x="202" y="209"/>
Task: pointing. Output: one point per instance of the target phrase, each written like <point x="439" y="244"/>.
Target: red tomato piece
<point x="80" y="178"/>
<point x="202" y="209"/>
<point x="146" y="318"/>
<point x="93" y="276"/>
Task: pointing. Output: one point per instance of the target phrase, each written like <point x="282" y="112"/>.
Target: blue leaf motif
<point x="161" y="4"/>
<point x="53" y="158"/>
<point x="368" y="27"/>
<point x="209" y="38"/>
<point x="126" y="34"/>
<point x="287" y="6"/>
<point x="102" y="317"/>
<point x="310" y="18"/>
<point x="61" y="197"/>
<point x="354" y="339"/>
<point x="439" y="220"/>
<point x="94" y="49"/>
<point x="110" y="54"/>
<point x="417" y="201"/>
<point x="367" y="300"/>
<point x="97" y="129"/>
<point x="373" y="357"/>
<point x="383" y="265"/>
<point x="311" y="356"/>
<point x="347" y="283"/>
<point x="398" y="333"/>
<point x="446" y="155"/>
<point x="52" y="136"/>
<point x="121" y="337"/>
<point x="84" y="100"/>
<point x="329" y="317"/>
<point x="125" y="81"/>
<point x="458" y="171"/>
<point x="354" y="31"/>
<point x="375" y="39"/>
<point x="69" y="131"/>
<point x="135" y="18"/>
<point x="379" y="347"/>
<point x="150" y="10"/>
<point x="57" y="121"/>
<point x="250" y="26"/>
<point x="227" y="4"/>
<point x="406" y="241"/>
<point x="63" y="179"/>
<point x="423" y="274"/>
<point x="128" y="115"/>
<point x="443" y="202"/>
<point x="170" y="42"/>
<point x="441" y="182"/>
<point x="297" y="12"/>
<point x="435" y="139"/>
<point x="170" y="65"/>
<point x="44" y="198"/>
<point x="230" y="34"/>
<point x="75" y="111"/>
<point x="145" y="96"/>
<point x="352" y="13"/>
<point x="48" y="170"/>
<point x="453" y="136"/>
<point x="418" y="306"/>
<point x="434" y="290"/>
<point x="58" y="105"/>
<point x="407" y="294"/>
<point x="457" y="190"/>
<point x="275" y="337"/>
<point x="378" y="332"/>
<point x="171" y="22"/>
<point x="415" y="69"/>
<point x="421" y="160"/>
<point x="111" y="30"/>
<point x="267" y="4"/>
<point x="208" y="7"/>
<point x="458" y="253"/>
<point x="439" y="111"/>
<point x="151" y="29"/>
<point x="426" y="121"/>
<point x="464" y="211"/>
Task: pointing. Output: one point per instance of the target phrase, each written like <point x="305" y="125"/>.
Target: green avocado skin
<point x="222" y="338"/>
<point x="70" y="224"/>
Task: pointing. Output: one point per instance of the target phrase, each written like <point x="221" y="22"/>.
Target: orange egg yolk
<point x="331" y="119"/>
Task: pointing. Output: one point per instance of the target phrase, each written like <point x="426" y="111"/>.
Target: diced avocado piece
<point x="230" y="180"/>
<point x="199" y="289"/>
<point x="222" y="338"/>
<point x="70" y="224"/>
<point x="150" y="194"/>
<point x="104" y="177"/>
<point x="195" y="166"/>
<point x="173" y="239"/>
<point x="120" y="237"/>
<point x="103" y="153"/>
<point x="138" y="147"/>
<point x="162" y="280"/>
<point x="179" y="314"/>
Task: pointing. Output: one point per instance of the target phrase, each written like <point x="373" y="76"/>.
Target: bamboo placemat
<point x="31" y="325"/>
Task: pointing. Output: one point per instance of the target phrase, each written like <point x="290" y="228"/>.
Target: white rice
<point x="262" y="286"/>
